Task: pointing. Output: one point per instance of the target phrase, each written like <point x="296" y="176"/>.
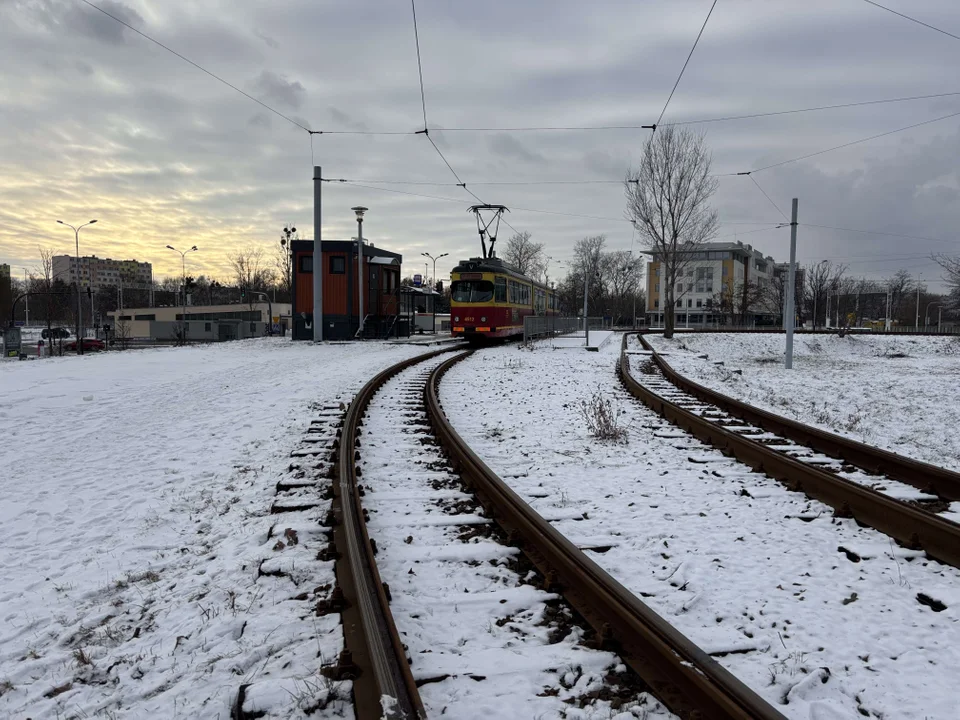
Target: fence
<point x="537" y="326"/>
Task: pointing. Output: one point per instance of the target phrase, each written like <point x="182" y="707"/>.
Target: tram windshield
<point x="472" y="291"/>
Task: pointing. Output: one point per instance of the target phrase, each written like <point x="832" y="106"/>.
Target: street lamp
<point x="360" y="210"/>
<point x="183" y="289"/>
<point x="428" y="255"/>
<point x="926" y="320"/>
<point x="286" y="242"/>
<point x="76" y="237"/>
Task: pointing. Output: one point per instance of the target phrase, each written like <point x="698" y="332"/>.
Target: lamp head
<point x="61" y="222"/>
<point x="359" y="210"/>
<point x="194" y="247"/>
<point x="170" y="247"/>
<point x="91" y="222"/>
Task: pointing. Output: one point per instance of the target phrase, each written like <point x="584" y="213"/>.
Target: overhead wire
<point x="912" y="19"/>
<point x="769" y="199"/>
<point x="196" y="65"/>
<point x="684" y="68"/>
<point x="849" y="144"/>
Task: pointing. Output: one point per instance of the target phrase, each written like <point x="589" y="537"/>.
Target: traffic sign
<point x="20" y="323"/>
<point x="417" y="280"/>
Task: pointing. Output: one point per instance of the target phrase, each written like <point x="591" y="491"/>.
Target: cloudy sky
<point x="98" y="122"/>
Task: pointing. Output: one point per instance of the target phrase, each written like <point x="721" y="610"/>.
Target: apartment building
<point x="714" y="270"/>
<point x="95" y="272"/>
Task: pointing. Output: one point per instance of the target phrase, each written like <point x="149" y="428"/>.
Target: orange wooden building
<point x="341" y="298"/>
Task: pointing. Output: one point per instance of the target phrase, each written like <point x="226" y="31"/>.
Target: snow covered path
<point x="484" y="643"/>
<point x="898" y="393"/>
<point x="823" y="618"/>
<point x="140" y="575"/>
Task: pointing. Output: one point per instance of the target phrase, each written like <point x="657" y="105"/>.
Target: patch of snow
<point x="736" y="562"/>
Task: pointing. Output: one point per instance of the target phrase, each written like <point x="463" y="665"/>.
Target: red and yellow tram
<point x="490" y="299"/>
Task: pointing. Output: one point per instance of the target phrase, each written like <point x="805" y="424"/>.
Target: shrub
<point x="603" y="419"/>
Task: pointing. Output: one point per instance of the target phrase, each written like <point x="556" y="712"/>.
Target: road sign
<point x="276" y="327"/>
<point x="417" y="280"/>
<point x="20" y="323"/>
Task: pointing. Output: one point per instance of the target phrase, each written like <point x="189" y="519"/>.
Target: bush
<point x="603" y="420"/>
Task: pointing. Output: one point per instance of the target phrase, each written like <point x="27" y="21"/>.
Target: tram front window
<point x="472" y="291"/>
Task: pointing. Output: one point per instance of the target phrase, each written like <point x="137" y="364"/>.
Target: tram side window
<point x="500" y="290"/>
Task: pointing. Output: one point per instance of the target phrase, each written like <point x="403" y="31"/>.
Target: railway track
<point x="895" y="495"/>
<point x="687" y="680"/>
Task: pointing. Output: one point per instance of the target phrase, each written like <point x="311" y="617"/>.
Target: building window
<point x="689" y="303"/>
<point x="699" y="303"/>
<point x="656" y="303"/>
<point x="338" y="265"/>
<point x="724" y="270"/>
<point x="152" y="316"/>
<point x="658" y="287"/>
<point x="306" y="263"/>
<point x="705" y="279"/>
<point x="679" y="303"/>
<point x="206" y="327"/>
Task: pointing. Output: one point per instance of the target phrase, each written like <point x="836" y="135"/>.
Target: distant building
<point x="94" y="272"/>
<point x="204" y="322"/>
<point x="715" y="269"/>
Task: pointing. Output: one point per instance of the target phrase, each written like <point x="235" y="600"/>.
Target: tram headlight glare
<point x="483" y="318"/>
<point x="456" y="318"/>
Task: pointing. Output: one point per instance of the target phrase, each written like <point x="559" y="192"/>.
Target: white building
<point x="97" y="272"/>
<point x="715" y="270"/>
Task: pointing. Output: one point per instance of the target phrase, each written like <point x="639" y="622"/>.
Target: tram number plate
<point x="471" y="276"/>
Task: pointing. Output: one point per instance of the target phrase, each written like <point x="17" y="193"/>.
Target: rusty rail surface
<point x="910" y="526"/>
<point x="924" y="476"/>
<point x="375" y="657"/>
<point x="681" y="675"/>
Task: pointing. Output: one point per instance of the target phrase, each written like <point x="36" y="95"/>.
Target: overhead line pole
<point x="317" y="258"/>
<point x="789" y="312"/>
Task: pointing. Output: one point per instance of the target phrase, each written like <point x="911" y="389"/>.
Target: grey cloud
<point x="260" y="119"/>
<point x="267" y="39"/>
<point x="274" y="88"/>
<point x="505" y="145"/>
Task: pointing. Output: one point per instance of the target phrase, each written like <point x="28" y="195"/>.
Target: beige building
<point x="204" y="322"/>
<point x="715" y="269"/>
<point x="95" y="272"/>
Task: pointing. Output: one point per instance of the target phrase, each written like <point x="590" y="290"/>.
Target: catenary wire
<point x="911" y="19"/>
<point x="416" y="35"/>
<point x="687" y="62"/>
<point x="769" y="198"/>
<point x="848" y="144"/>
<point x="199" y="67"/>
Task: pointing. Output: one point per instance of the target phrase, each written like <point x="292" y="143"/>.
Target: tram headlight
<point x="456" y="318"/>
<point x="483" y="318"/>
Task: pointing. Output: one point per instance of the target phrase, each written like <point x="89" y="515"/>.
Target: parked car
<point x="88" y="344"/>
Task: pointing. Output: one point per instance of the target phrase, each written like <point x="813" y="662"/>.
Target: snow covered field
<point x="824" y="619"/>
<point x="140" y="579"/>
<point x="898" y="393"/>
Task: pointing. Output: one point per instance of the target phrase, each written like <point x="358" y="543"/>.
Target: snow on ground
<point x="824" y="619"/>
<point x="139" y="575"/>
<point x="483" y="643"/>
<point x="900" y="393"/>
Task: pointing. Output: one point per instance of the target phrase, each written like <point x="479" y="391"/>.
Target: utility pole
<point x="886" y="323"/>
<point x="317" y="258"/>
<point x="917" y="321"/>
<point x="586" y="325"/>
<point x="360" y="210"/>
<point x="183" y="288"/>
<point x="826" y="317"/>
<point x="26" y="289"/>
<point x="789" y="313"/>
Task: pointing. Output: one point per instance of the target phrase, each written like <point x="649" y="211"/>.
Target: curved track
<point x="781" y="449"/>
<point x="680" y="674"/>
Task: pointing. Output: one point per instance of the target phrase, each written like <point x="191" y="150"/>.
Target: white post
<point x="826" y="317"/>
<point x="26" y="289"/>
<point x="586" y="327"/>
<point x="917" y="321"/>
<point x="317" y="259"/>
<point x="789" y="313"/>
<point x="886" y="324"/>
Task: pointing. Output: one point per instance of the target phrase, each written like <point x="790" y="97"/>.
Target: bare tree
<point x="900" y="285"/>
<point x="524" y="254"/>
<point x="251" y="273"/>
<point x="668" y="201"/>
<point x="951" y="268"/>
<point x="822" y="280"/>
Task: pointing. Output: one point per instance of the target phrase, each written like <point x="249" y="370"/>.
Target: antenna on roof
<point x="483" y="228"/>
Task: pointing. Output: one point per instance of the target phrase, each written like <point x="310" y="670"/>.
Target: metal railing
<point x="538" y="326"/>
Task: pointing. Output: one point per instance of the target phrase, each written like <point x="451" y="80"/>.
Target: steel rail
<point x="924" y="476"/>
<point x="681" y="675"/>
<point x="910" y="526"/>
<point x="383" y="685"/>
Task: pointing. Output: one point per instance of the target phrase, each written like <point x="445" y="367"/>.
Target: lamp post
<point x="926" y="319"/>
<point x="360" y="210"/>
<point x="441" y="255"/>
<point x="289" y="233"/>
<point x="76" y="237"/>
<point x="183" y="289"/>
<point x="26" y="290"/>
